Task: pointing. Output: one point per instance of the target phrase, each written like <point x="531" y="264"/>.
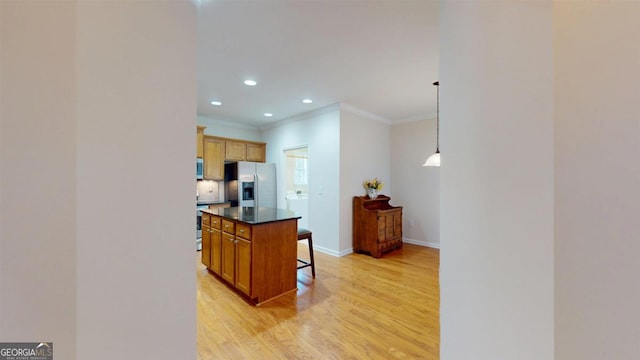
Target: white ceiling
<point x="378" y="57"/>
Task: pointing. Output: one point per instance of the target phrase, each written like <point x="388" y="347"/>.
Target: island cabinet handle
<point x="242" y="231"/>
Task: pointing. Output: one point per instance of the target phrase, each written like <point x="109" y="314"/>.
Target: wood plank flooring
<point x="357" y="307"/>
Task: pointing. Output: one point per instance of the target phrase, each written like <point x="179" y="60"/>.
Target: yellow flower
<point x="373" y="184"/>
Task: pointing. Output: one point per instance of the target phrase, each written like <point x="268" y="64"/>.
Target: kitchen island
<point x="253" y="250"/>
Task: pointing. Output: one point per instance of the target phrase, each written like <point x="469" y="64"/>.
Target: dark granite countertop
<point x="252" y="215"/>
<point x="210" y="202"/>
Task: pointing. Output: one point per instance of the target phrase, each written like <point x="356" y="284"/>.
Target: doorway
<point x="297" y="182"/>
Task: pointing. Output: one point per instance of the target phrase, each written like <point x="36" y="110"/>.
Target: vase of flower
<point x="372" y="187"/>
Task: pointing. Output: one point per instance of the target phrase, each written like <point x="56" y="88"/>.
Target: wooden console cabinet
<point x="377" y="226"/>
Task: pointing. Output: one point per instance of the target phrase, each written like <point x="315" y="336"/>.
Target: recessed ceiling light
<point x="307" y="101"/>
<point x="250" y="82"/>
<point x="216" y="103"/>
<point x="268" y="114"/>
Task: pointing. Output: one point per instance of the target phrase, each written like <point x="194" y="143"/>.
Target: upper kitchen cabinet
<point x="238" y="150"/>
<point x="200" y="141"/>
<point x="213" y="151"/>
<point x="257" y="152"/>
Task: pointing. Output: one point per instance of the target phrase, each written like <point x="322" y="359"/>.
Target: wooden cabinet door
<point x="200" y="141"/>
<point x="389" y="227"/>
<point x="382" y="228"/>
<point x="243" y="265"/>
<point x="228" y="257"/>
<point x="397" y="225"/>
<point x="206" y="246"/>
<point x="213" y="159"/>
<point x="256" y="152"/>
<point x="236" y="151"/>
<point x="216" y="251"/>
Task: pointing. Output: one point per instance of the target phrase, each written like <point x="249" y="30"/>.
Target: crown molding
<point x="365" y="114"/>
<point x="225" y="123"/>
<point x="303" y="116"/>
<point x="415" y="118"/>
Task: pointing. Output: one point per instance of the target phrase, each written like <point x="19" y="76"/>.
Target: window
<point x="297" y="172"/>
<point x="300" y="172"/>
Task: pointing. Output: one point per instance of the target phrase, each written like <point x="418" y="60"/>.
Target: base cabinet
<point x="216" y="249"/>
<point x="228" y="257"/>
<point x="236" y="256"/>
<point x="210" y="252"/>
<point x="377" y="226"/>
<point x="205" y="252"/>
<point x="259" y="261"/>
<point x="243" y="266"/>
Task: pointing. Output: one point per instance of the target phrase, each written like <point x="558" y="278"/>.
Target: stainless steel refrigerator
<point x="250" y="184"/>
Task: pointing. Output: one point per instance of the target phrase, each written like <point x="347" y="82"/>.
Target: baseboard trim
<point x="345" y="252"/>
<point x="421" y="243"/>
<point x="350" y="250"/>
<point x="332" y="252"/>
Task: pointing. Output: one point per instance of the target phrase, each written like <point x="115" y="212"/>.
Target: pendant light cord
<point x="437" y="84"/>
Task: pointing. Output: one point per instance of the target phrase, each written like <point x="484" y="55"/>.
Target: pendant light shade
<point x="434" y="159"/>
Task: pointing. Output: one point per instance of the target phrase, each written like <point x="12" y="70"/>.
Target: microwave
<point x="199" y="169"/>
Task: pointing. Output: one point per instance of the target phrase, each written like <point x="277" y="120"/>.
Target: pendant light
<point x="434" y="159"/>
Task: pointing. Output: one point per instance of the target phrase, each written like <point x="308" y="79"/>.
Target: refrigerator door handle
<point x="256" y="191"/>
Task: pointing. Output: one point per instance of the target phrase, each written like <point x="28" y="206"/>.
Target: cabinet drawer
<point x="228" y="227"/>
<point x="216" y="222"/>
<point x="243" y="231"/>
<point x="206" y="219"/>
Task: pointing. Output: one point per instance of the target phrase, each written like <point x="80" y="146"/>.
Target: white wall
<point x="2" y="117"/>
<point x="229" y="129"/>
<point x="597" y="174"/>
<point x="320" y="131"/>
<point x="497" y="266"/>
<point x="37" y="151"/>
<point x="415" y="187"/>
<point x="136" y="119"/>
<point x="364" y="154"/>
<point x="100" y="116"/>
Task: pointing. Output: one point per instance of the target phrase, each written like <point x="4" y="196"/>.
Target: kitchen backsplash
<point x="208" y="190"/>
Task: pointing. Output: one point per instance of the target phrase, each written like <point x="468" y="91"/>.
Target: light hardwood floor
<point x="357" y="307"/>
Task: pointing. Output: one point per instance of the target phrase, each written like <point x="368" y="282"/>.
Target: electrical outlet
<point x="211" y="189"/>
